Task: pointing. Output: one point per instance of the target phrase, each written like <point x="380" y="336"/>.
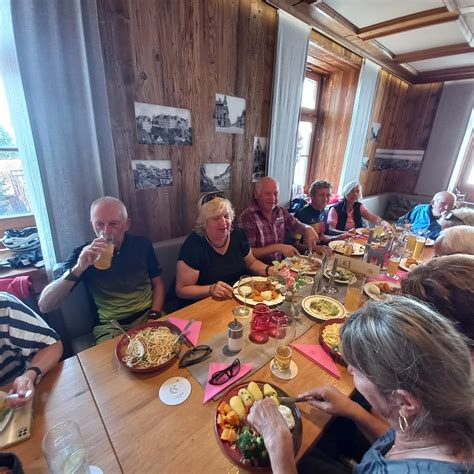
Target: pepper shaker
<point x="235" y="332"/>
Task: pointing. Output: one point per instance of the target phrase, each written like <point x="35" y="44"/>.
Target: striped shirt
<point x="22" y="334"/>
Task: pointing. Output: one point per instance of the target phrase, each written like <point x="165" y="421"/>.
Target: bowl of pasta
<point x="150" y="347"/>
<point x="329" y="338"/>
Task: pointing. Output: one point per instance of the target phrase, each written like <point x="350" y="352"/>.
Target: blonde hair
<point x="446" y="284"/>
<point x="403" y="344"/>
<point x="214" y="207"/>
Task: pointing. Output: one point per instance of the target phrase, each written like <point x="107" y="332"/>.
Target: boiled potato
<point x="246" y="397"/>
<point x="275" y="399"/>
<point x="237" y="405"/>
<point x="268" y="390"/>
<point x="374" y="289"/>
<point x="254" y="389"/>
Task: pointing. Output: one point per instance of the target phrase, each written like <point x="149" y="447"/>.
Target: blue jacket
<point x="421" y="218"/>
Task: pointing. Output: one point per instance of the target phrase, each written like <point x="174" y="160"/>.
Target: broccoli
<point x="252" y="446"/>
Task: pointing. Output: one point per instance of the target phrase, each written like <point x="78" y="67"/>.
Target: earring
<point x="402" y="423"/>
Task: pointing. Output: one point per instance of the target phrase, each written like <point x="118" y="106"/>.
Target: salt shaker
<point x="235" y="332"/>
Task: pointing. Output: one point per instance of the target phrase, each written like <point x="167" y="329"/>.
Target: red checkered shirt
<point x="261" y="232"/>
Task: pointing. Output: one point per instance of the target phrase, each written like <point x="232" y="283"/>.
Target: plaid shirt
<point x="261" y="232"/>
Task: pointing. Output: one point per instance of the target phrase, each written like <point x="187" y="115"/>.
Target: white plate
<point x="312" y="313"/>
<point x="403" y="264"/>
<point x="338" y="246"/>
<point x="352" y="279"/>
<point x="382" y="296"/>
<point x="302" y="268"/>
<point x="5" y="419"/>
<point x="279" y="299"/>
<point x="365" y="231"/>
<point x="429" y="243"/>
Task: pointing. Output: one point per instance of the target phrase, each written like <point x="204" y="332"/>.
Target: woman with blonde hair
<point x="446" y="283"/>
<point x="214" y="255"/>
<point x="413" y="367"/>
<point x="348" y="213"/>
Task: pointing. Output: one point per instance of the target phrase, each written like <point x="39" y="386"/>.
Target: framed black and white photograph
<point x="259" y="158"/>
<point x="149" y="174"/>
<point x="230" y="114"/>
<point x="215" y="177"/>
<point x="161" y="125"/>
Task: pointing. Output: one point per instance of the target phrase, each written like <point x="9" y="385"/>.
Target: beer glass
<point x="353" y="299"/>
<point x="104" y="260"/>
<point x="284" y="336"/>
<point x="419" y="246"/>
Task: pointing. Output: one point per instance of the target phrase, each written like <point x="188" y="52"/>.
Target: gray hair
<point x="214" y="207"/>
<point x="350" y="186"/>
<point x="259" y="183"/>
<point x="462" y="216"/>
<point x="458" y="239"/>
<point x="403" y="344"/>
<point x="110" y="200"/>
<point x="320" y="184"/>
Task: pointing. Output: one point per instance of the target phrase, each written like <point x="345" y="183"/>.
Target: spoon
<point x="140" y="348"/>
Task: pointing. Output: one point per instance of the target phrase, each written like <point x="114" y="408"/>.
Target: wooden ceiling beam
<point x="441" y="75"/>
<point x="431" y="53"/>
<point x="435" y="16"/>
<point x="331" y="13"/>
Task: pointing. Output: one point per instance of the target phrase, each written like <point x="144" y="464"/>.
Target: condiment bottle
<point x="235" y="332"/>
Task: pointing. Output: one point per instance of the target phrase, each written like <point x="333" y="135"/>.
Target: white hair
<point x="458" y="239"/>
<point x="214" y="207"/>
<point x="350" y="186"/>
<point x="110" y="200"/>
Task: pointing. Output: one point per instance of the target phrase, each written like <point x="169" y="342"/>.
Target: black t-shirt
<point x="198" y="254"/>
<point x="309" y="215"/>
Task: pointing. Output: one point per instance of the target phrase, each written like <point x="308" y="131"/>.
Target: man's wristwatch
<point x="37" y="371"/>
<point x="69" y="276"/>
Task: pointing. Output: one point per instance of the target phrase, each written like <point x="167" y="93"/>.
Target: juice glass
<point x="104" y="260"/>
<point x="419" y="246"/>
<point x="353" y="299"/>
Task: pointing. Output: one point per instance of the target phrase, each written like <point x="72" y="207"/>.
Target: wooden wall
<point x="406" y="113"/>
<point x="180" y="53"/>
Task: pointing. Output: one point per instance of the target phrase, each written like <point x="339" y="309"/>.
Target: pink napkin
<point x="192" y="333"/>
<point x="212" y="390"/>
<point x="384" y="277"/>
<point x="318" y="355"/>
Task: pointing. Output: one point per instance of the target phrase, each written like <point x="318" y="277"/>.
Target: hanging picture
<point x="215" y="177"/>
<point x="151" y="173"/>
<point x="259" y="158"/>
<point x="161" y="125"/>
<point x="230" y="114"/>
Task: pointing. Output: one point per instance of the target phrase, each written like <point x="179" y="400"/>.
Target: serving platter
<point x="250" y="301"/>
<point x="338" y="246"/>
<point x="347" y="276"/>
<point x="121" y="347"/>
<point x="335" y="309"/>
<point x="233" y="452"/>
<point x="383" y="295"/>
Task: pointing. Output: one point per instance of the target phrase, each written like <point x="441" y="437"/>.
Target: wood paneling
<point x="180" y="53"/>
<point x="406" y="113"/>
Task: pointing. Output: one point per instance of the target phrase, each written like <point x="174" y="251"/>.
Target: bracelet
<point x="266" y="270"/>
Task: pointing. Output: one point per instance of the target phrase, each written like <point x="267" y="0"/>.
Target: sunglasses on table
<point x="222" y="376"/>
<point x="210" y="196"/>
<point x="195" y="355"/>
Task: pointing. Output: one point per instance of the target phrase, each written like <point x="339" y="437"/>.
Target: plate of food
<point x="304" y="264"/>
<point x="363" y="231"/>
<point x="340" y="245"/>
<point x="322" y="308"/>
<point x="263" y="290"/>
<point x="240" y="442"/>
<point x="5" y="413"/>
<point x="409" y="263"/>
<point x="149" y="347"/>
<point x="329" y="338"/>
<point x="342" y="275"/>
<point x="381" y="290"/>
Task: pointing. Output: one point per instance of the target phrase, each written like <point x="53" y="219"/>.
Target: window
<point x="306" y="129"/>
<point x="14" y="199"/>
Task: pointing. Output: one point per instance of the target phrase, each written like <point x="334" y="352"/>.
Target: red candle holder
<point x="260" y="324"/>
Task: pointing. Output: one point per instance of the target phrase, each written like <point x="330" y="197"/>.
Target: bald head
<point x="266" y="193"/>
<point x="442" y="202"/>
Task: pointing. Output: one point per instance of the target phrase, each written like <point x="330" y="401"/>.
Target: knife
<point x="301" y="399"/>
<point x="181" y="334"/>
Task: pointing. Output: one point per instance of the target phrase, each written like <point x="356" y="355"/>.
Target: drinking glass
<point x="285" y="334"/>
<point x="295" y="305"/>
<point x="260" y="324"/>
<point x="411" y="241"/>
<point x="419" y="246"/>
<point x="104" y="259"/>
<point x="64" y="449"/>
<point x="353" y="299"/>
<point x="244" y="289"/>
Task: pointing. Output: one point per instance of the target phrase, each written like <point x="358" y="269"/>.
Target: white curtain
<point x="288" y="77"/>
<point x="363" y="104"/>
<point x="55" y="84"/>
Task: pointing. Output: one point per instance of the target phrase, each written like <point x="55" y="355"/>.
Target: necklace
<point x="426" y="448"/>
<point x="218" y="246"/>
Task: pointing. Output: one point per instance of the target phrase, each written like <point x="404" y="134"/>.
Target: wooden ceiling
<point x="418" y="40"/>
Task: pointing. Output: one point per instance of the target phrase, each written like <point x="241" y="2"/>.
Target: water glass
<point x="244" y="289"/>
<point x="64" y="449"/>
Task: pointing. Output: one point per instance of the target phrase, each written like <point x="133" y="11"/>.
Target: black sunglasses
<point x="195" y="355"/>
<point x="210" y="196"/>
<point x="222" y="376"/>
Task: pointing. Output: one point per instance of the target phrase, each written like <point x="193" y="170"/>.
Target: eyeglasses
<point x="195" y="355"/>
<point x="210" y="196"/>
<point x="222" y="376"/>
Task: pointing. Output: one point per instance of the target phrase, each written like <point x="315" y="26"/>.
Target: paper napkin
<point x="318" y="355"/>
<point x="192" y="333"/>
<point x="212" y="390"/>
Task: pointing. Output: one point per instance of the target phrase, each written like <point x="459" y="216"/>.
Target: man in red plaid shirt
<point x="265" y="224"/>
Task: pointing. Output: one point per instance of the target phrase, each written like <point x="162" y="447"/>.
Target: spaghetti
<point x="158" y="343"/>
